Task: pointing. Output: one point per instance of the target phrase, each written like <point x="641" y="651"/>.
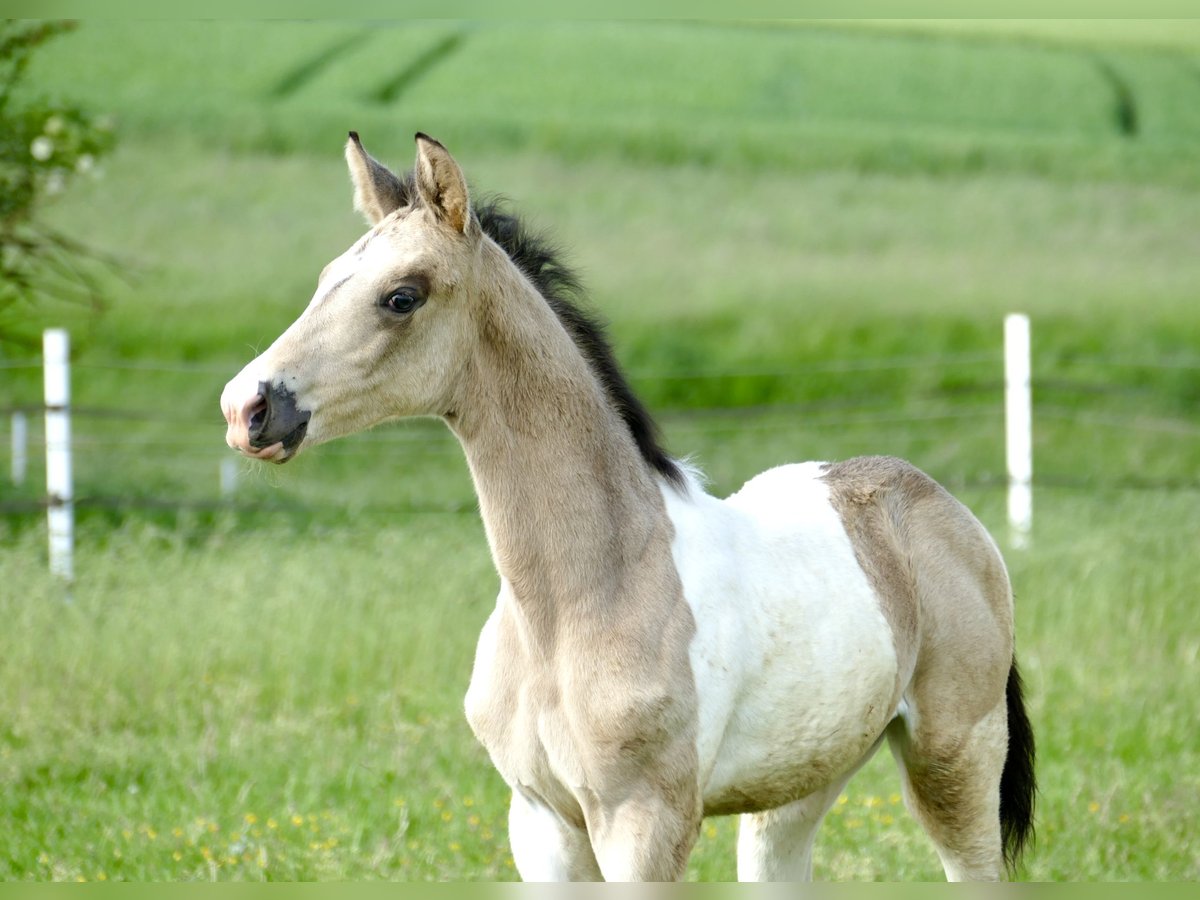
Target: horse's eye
<point x="403" y="301"/>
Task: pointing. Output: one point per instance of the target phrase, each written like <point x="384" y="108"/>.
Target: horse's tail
<point x="1018" y="782"/>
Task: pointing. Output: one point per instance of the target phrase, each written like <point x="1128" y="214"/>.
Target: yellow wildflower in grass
<point x="206" y="853"/>
<point x="894" y="799"/>
<point x="177" y="832"/>
<point x="127" y="834"/>
<point x="1123" y="818"/>
<point x="213" y="827"/>
<point x="487" y="834"/>
<point x="447" y="815"/>
<point x="854" y="823"/>
<point x="177" y="856"/>
<point x="468" y="801"/>
<point x="1093" y="807"/>
<point x="249" y="818"/>
<point x="710" y="830"/>
<point x="272" y="824"/>
<point x="473" y="821"/>
<point x="297" y="820"/>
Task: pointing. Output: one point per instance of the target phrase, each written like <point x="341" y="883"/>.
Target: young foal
<point x="656" y="655"/>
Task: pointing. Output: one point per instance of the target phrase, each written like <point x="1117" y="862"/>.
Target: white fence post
<point x="20" y="447"/>
<point x="1018" y="426"/>
<point x="229" y="477"/>
<point x="60" y="507"/>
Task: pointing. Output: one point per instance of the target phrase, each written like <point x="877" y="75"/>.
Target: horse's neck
<point x="569" y="505"/>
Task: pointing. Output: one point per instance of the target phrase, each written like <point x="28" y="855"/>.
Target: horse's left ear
<point x="442" y="186"/>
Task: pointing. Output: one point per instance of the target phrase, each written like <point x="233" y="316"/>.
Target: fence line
<point x="857" y="364"/>
<point x="713" y="418"/>
<point x="845" y="412"/>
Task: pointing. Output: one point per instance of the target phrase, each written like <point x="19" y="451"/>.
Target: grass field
<point x="805" y="238"/>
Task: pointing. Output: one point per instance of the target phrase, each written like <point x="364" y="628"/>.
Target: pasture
<point x="804" y="238"/>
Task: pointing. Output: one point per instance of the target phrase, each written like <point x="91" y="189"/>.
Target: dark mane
<point x="539" y="260"/>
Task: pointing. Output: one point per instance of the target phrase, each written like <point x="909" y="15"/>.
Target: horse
<point x="656" y="654"/>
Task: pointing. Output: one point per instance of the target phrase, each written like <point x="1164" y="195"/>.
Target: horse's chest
<point x="574" y="728"/>
<point x="516" y="713"/>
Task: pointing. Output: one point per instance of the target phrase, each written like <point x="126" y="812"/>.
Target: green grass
<point x="783" y="97"/>
<point x="805" y="239"/>
<point x="209" y="680"/>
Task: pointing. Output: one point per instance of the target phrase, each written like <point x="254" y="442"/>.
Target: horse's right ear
<point x="377" y="190"/>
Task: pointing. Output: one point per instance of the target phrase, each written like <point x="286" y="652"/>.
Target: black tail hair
<point x="1018" y="781"/>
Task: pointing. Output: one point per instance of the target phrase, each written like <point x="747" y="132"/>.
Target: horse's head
<point x="385" y="334"/>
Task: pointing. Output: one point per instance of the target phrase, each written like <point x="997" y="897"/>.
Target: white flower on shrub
<point x="85" y="163"/>
<point x="54" y="125"/>
<point x="42" y="148"/>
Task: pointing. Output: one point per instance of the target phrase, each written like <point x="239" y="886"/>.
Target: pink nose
<point x="244" y="416"/>
<point x="239" y="415"/>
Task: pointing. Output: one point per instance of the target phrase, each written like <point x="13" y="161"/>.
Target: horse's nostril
<point x="256" y="412"/>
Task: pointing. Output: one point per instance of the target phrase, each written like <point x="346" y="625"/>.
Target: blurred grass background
<point x="804" y="235"/>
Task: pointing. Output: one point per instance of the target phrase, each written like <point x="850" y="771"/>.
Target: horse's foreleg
<point x="545" y="848"/>
<point x="645" y="838"/>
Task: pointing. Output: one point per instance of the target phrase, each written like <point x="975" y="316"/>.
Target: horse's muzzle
<point x="268" y="425"/>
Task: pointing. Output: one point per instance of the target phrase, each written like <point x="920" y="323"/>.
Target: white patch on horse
<point x="339" y="272"/>
<point x="796" y="687"/>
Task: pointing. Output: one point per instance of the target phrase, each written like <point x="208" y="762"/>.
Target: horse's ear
<point x="441" y="185"/>
<point x="377" y="190"/>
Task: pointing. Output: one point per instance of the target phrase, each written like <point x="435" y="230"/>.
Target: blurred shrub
<point x="44" y="146"/>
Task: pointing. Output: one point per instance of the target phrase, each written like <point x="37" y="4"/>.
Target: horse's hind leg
<point x="777" y="844"/>
<point x="952" y="786"/>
